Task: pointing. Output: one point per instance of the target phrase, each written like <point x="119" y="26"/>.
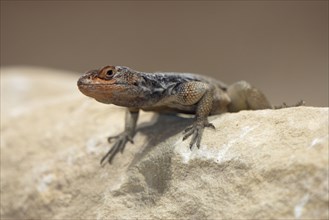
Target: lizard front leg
<point x="201" y="94"/>
<point x="122" y="139"/>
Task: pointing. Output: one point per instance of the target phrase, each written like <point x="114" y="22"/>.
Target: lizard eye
<point x="109" y="73"/>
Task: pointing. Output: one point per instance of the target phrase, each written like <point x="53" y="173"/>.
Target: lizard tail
<point x="284" y="105"/>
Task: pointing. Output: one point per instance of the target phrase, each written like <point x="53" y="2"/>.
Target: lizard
<point x="167" y="92"/>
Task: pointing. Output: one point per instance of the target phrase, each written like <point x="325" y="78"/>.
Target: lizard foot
<point x="119" y="145"/>
<point x="196" y="130"/>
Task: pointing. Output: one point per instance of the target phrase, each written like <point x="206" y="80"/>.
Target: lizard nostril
<point x="84" y="80"/>
<point x="80" y="82"/>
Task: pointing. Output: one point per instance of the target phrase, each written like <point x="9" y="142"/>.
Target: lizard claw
<point x="130" y="140"/>
<point x="210" y="125"/>
<point x="119" y="145"/>
<point x="196" y="131"/>
<point x="110" y="139"/>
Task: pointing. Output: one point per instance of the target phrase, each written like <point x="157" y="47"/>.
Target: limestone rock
<point x="255" y="165"/>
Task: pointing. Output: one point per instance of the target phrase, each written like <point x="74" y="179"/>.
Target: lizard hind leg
<point x="246" y="97"/>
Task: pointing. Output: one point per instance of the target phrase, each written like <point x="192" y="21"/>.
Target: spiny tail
<point x="284" y="105"/>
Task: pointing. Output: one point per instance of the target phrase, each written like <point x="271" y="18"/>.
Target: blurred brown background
<point x="279" y="46"/>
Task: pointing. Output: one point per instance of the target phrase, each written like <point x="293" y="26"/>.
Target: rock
<point x="255" y="165"/>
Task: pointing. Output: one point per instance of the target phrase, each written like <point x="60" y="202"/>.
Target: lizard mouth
<point x="108" y="91"/>
<point x="95" y="90"/>
<point x="97" y="86"/>
<point x="100" y="88"/>
<point x="87" y="82"/>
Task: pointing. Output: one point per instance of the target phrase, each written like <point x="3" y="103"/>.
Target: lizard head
<point x="111" y="85"/>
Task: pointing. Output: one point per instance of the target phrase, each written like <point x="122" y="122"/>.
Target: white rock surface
<point x="255" y="165"/>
